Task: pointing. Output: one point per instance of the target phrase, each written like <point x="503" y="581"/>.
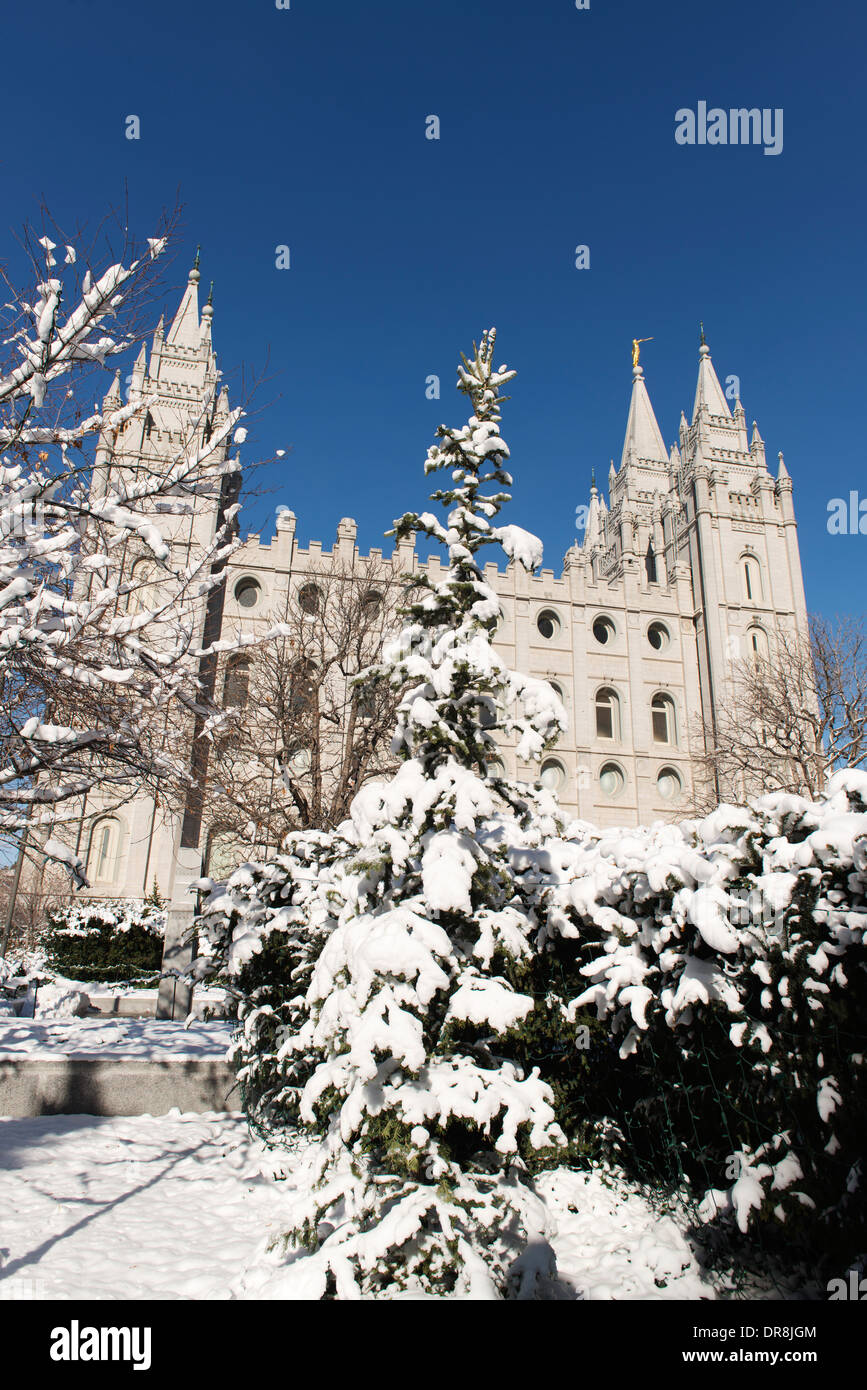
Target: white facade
<point x="692" y="564"/>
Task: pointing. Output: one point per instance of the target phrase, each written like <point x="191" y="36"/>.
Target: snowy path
<point x="174" y="1207"/>
<point x="168" y="1206"/>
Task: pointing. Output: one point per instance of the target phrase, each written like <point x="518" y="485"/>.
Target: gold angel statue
<point x="636" y="348"/>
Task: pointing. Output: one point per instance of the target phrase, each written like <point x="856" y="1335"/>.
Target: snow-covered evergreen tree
<point x="403" y="1053"/>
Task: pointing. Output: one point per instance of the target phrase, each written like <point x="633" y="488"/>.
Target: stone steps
<point x="31" y="1086"/>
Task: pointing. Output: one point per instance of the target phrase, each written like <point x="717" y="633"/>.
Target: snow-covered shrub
<point x="263" y="930"/>
<point x="726" y="957"/>
<point x="109" y="940"/>
<point x="395" y="1027"/>
<point x="50" y="1000"/>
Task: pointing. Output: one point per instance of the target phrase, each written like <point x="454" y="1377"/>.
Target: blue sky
<point x="306" y="127"/>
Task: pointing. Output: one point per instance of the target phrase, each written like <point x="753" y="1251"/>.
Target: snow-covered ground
<point x="167" y="1206"/>
<point x="177" y="1207"/>
<point x="116" y="1038"/>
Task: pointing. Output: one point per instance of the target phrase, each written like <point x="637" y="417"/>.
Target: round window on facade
<point x="611" y="779"/>
<point x="558" y="691"/>
<point x="668" y="784"/>
<point x="247" y="593"/>
<point x="553" y="775"/>
<point x="658" y="636"/>
<point x="603" y="631"/>
<point x="548" y="623"/>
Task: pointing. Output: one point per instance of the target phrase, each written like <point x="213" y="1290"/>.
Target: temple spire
<point x="595" y="512"/>
<point x="112" y="396"/>
<point x="185" y="330"/>
<point x="643" y="435"/>
<point x="708" y="392"/>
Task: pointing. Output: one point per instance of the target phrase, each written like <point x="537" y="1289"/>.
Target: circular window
<point x="548" y="623"/>
<point x="603" y="630"/>
<point x="558" y="691"/>
<point x="309" y="598"/>
<point x="247" y="593"/>
<point x="611" y="779"/>
<point x="669" y="784"/>
<point x="658" y="636"/>
<point x="553" y="775"/>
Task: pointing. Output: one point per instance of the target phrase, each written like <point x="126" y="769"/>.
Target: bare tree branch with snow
<point x="96" y="652"/>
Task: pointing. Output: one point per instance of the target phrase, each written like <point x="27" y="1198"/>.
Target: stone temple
<point x="691" y="564"/>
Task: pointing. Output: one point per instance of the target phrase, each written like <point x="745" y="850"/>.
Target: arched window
<point x="302" y="689"/>
<point x="143" y="595"/>
<point x="371" y="604"/>
<point x="650" y="564"/>
<point x="663" y="720"/>
<point x="607" y="713"/>
<point x="102" y="859"/>
<point x="553" y="775"/>
<point x="487" y="712"/>
<point x="310" y="600"/>
<point x="752" y="579"/>
<point x="611" y="779"/>
<point x="222" y="855"/>
<point x="236" y="686"/>
<point x="757" y="644"/>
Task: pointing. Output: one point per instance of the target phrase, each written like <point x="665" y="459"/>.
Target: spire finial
<point x="592" y="477"/>
<point x="198" y="254"/>
<point x="211" y="294"/>
<point x="701" y="329"/>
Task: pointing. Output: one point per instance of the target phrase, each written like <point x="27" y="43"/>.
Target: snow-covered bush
<point x="109" y="940"/>
<point x="727" y="958"/>
<point x="409" y="945"/>
<point x="53" y="1001"/>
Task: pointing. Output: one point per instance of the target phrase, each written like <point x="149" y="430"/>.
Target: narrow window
<point x="607" y="714"/>
<point x="662" y="717"/>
